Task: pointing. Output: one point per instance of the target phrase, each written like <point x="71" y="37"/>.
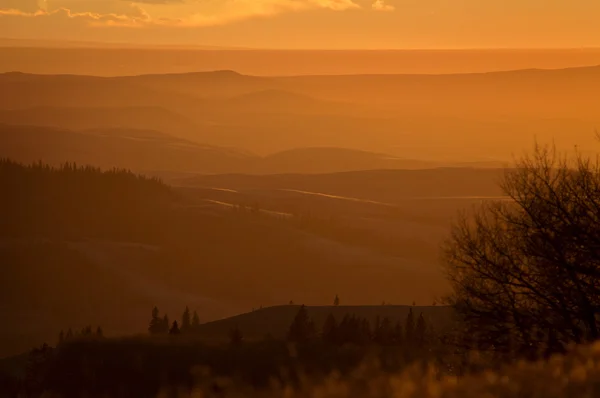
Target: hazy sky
<point x="310" y="23"/>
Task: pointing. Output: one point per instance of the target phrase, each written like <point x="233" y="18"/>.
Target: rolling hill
<point x="84" y="118"/>
<point x="408" y="116"/>
<point x="67" y="239"/>
<point x="152" y="151"/>
<point x="274" y="322"/>
<point x="140" y="150"/>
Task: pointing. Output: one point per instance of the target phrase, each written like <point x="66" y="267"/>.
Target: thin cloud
<point x="91" y="19"/>
<point x="380" y="5"/>
<point x="228" y="13"/>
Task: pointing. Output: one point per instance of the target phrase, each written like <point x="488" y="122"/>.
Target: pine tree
<point x="365" y="331"/>
<point x="336" y="300"/>
<point x="376" y="328"/>
<point x="69" y="334"/>
<point x="155" y="322"/>
<point x="195" y="321"/>
<point x="409" y="331"/>
<point x="302" y="328"/>
<point x="421" y="331"/>
<point x="398" y="334"/>
<point x="385" y="332"/>
<point x="174" y="329"/>
<point x="99" y="332"/>
<point x="186" y="322"/>
<point x="330" y="329"/>
<point x="344" y="333"/>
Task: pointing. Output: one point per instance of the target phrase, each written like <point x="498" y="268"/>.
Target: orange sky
<point x="366" y="24"/>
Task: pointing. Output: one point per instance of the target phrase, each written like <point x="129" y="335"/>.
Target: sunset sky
<point x="315" y="24"/>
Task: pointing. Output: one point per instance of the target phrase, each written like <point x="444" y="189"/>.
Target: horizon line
<point x="82" y="44"/>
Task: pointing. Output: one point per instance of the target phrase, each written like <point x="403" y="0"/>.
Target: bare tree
<point x="525" y="272"/>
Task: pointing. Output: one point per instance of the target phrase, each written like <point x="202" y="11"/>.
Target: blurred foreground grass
<point x="576" y="374"/>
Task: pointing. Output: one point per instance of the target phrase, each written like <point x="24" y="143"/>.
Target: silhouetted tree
<point x="195" y="321"/>
<point x="69" y="334"/>
<point x="398" y="335"/>
<point x="156" y="323"/>
<point x="421" y="331"/>
<point x="302" y="328"/>
<point x="99" y="332"/>
<point x="384" y="334"/>
<point x="61" y="337"/>
<point x="532" y="262"/>
<point x="165" y="324"/>
<point x="409" y="326"/>
<point x="174" y="329"/>
<point x="366" y="332"/>
<point x="330" y="329"/>
<point x="336" y="300"/>
<point x="186" y="321"/>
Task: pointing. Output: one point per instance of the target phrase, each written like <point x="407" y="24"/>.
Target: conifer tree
<point x="69" y="334"/>
<point x="385" y="332"/>
<point x="421" y="331"/>
<point x="365" y="331"/>
<point x="330" y="329"/>
<point x="174" y="329"/>
<point x="336" y="300"/>
<point x="186" y="320"/>
<point x="99" y="332"/>
<point x="398" y="334"/>
<point x="165" y="324"/>
<point x="302" y="328"/>
<point x="376" y="328"/>
<point x="409" y="327"/>
<point x="195" y="321"/>
<point x="155" y="322"/>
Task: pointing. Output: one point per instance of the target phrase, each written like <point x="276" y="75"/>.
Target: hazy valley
<point x="242" y="197"/>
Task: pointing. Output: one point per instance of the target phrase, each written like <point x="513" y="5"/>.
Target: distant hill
<point x="328" y="160"/>
<point x="275" y="321"/>
<point x="214" y="84"/>
<point x="334" y="160"/>
<point x="107" y="148"/>
<point x="78" y="247"/>
<point x="82" y="118"/>
<point x="408" y="116"/>
<point x="149" y="150"/>
<point x="272" y="101"/>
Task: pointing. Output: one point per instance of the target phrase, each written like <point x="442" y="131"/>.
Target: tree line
<point x="349" y="330"/>
<point x="160" y="325"/>
<point x="73" y="201"/>
<point x="359" y="331"/>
